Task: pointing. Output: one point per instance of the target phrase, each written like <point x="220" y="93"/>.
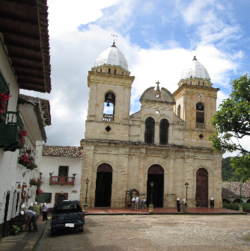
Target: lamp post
<point x="240" y="206"/>
<point x="186" y="184"/>
<point x="86" y="205"/>
<point x="151" y="206"/>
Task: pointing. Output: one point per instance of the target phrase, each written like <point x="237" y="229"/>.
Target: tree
<point x="232" y="123"/>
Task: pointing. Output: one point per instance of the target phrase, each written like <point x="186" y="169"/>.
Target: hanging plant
<point x="22" y="134"/>
<point x="4" y="98"/>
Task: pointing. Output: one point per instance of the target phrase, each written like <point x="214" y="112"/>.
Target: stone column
<point x="88" y="153"/>
<point x="142" y="177"/>
<point x="169" y="179"/>
<point x="189" y="166"/>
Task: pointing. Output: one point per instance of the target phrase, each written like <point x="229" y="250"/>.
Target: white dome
<point x="112" y="56"/>
<point x="195" y="70"/>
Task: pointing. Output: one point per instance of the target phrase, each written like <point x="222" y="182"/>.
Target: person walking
<point x="133" y="203"/>
<point x="143" y="203"/>
<point x="45" y="211"/>
<point x="178" y="205"/>
<point x="136" y="203"/>
<point x="36" y="208"/>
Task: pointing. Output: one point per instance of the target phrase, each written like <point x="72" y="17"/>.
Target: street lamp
<point x="186" y="184"/>
<point x="87" y="182"/>
<point x="151" y="206"/>
<point x="240" y="192"/>
<point x="86" y="205"/>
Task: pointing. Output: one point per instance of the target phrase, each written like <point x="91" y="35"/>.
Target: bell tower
<point x="109" y="83"/>
<point x="196" y="104"/>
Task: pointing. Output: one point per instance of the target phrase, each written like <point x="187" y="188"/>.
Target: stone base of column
<point x="151" y="208"/>
<point x="85" y="208"/>
<point x="240" y="209"/>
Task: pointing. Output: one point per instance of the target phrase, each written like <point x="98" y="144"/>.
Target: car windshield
<point x="67" y="207"/>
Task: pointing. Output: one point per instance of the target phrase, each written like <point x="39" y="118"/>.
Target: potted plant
<point x="4" y="98"/>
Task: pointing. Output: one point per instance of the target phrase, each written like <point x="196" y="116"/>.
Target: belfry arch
<point x="156" y="175"/>
<point x="103" y="186"/>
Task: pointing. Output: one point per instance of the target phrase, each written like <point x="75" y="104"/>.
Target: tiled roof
<point x="232" y="190"/>
<point x="44" y="104"/>
<point x="62" y="151"/>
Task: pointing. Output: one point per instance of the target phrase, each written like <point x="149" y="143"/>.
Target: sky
<point x="157" y="37"/>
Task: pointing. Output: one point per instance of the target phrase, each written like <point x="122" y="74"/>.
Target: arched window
<point x="179" y="111"/>
<point x="109" y="70"/>
<point x="109" y="107"/>
<point x="164" y="125"/>
<point x="149" y="130"/>
<point x="200" y="115"/>
<point x="115" y="71"/>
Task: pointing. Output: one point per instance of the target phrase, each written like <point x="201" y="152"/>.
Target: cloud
<point x="73" y="53"/>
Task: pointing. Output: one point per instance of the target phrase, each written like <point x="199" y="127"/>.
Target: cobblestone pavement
<point x="154" y="232"/>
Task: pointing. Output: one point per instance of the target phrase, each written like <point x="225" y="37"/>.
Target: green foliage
<point x="232" y="123"/>
<point x="228" y="172"/>
<point x="15" y="229"/>
<point x="234" y="206"/>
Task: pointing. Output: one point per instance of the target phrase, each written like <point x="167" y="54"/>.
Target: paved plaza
<point x="153" y="233"/>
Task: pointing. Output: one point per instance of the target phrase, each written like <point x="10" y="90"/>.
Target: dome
<point x="195" y="70"/>
<point x="112" y="56"/>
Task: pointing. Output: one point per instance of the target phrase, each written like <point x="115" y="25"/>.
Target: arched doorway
<point x="202" y="188"/>
<point x="156" y="175"/>
<point x="103" y="186"/>
<point x="60" y="197"/>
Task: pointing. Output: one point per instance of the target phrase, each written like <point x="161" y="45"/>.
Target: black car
<point x="67" y="214"/>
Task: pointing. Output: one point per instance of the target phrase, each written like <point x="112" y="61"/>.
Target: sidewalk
<point x="197" y="211"/>
<point x="24" y="241"/>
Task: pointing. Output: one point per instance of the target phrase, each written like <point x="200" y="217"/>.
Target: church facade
<point x="165" y="144"/>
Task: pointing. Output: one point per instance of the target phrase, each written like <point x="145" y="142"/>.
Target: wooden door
<point x="202" y="188"/>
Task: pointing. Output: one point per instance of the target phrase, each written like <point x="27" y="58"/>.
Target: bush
<point x="235" y="206"/>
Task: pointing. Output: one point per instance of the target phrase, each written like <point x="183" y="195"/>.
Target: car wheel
<point x="81" y="229"/>
<point x="53" y="232"/>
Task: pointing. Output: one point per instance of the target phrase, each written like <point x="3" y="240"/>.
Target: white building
<point x="61" y="168"/>
<point x="24" y="64"/>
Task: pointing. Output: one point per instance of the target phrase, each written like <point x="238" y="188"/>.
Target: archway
<point x="60" y="197"/>
<point x="103" y="186"/>
<point x="156" y="175"/>
<point x="202" y="188"/>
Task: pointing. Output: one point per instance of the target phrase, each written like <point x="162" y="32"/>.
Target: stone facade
<point x="122" y="141"/>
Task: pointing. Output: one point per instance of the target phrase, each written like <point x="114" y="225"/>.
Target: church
<point x="162" y="151"/>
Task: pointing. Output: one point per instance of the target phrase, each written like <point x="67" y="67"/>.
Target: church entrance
<point x="156" y="175"/>
<point x="202" y="188"/>
<point x="103" y="186"/>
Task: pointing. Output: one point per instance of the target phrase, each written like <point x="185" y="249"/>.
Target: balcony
<point x="200" y="125"/>
<point x="108" y="117"/>
<point x="62" y="180"/>
<point x="9" y="131"/>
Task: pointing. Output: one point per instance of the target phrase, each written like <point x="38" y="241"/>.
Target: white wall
<point x="51" y="164"/>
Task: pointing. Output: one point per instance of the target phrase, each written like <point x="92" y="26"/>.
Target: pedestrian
<point x="143" y="203"/>
<point x="31" y="215"/>
<point x="36" y="208"/>
<point x="45" y="211"/>
<point x="212" y="202"/>
<point x="184" y="204"/>
<point x="178" y="205"/>
<point x="133" y="203"/>
<point x="137" y="203"/>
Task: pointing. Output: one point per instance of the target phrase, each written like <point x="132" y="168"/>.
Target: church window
<point x="179" y="111"/>
<point x="149" y="130"/>
<point x="164" y="125"/>
<point x="200" y="116"/>
<point x="109" y="70"/>
<point x="109" y="107"/>
<point x="115" y="71"/>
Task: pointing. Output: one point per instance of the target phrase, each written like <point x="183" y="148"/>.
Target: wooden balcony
<point x="62" y="180"/>
<point x="108" y="117"/>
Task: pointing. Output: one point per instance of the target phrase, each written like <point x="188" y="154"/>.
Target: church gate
<point x="103" y="186"/>
<point x="156" y="175"/>
<point x="202" y="188"/>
